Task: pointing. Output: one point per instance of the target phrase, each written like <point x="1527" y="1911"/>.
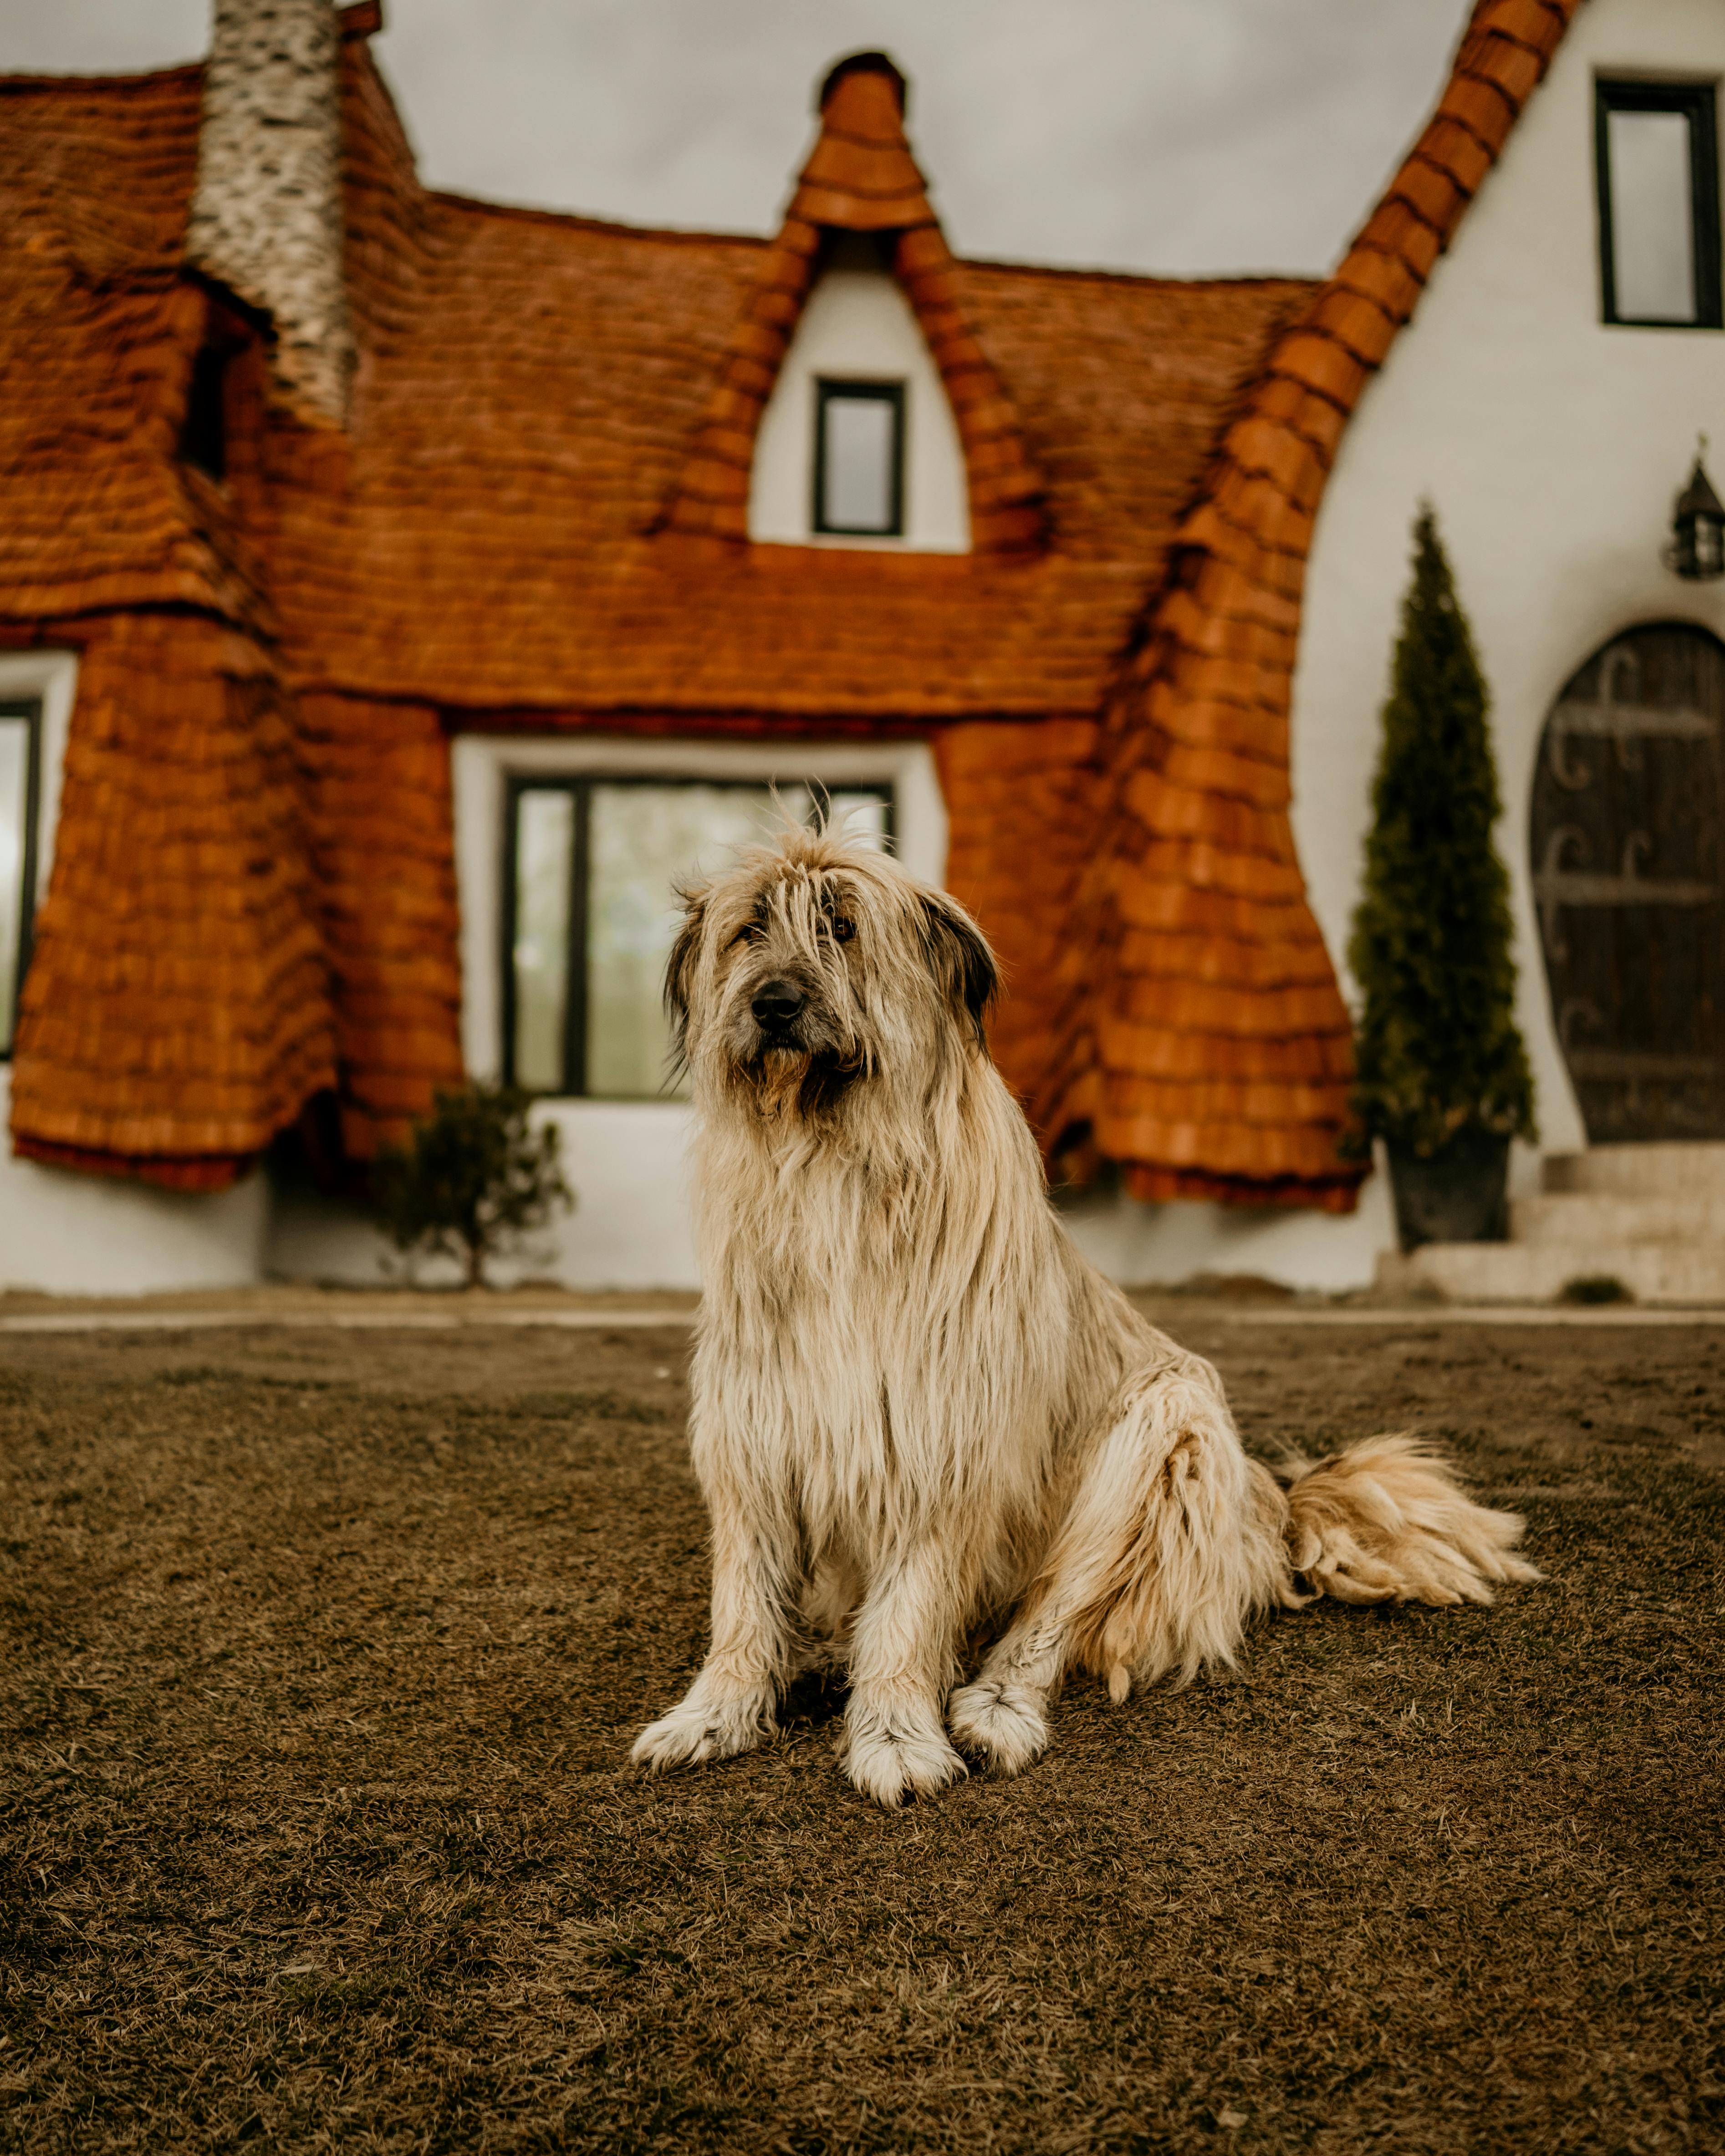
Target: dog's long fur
<point x="918" y="1414"/>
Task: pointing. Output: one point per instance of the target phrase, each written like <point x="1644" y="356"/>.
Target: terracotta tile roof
<point x="93" y="186"/>
<point x="488" y="537"/>
<point x="510" y="534"/>
<point x="175" y="1015"/>
<point x="1212" y="1056"/>
<point x="532" y="390"/>
<point x="377" y="797"/>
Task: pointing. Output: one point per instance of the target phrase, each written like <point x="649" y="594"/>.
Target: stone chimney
<point x="267" y="216"/>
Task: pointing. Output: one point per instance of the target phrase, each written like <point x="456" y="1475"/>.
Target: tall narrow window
<point x="1657" y="152"/>
<point x="546" y="889"/>
<point x="20" y="789"/>
<point x="589" y="918"/>
<point x="204" y="434"/>
<point x="859" y="459"/>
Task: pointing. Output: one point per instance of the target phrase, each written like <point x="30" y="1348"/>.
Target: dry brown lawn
<point x="319" y="1659"/>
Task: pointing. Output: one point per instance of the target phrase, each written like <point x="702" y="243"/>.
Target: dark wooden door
<point x="1628" y="803"/>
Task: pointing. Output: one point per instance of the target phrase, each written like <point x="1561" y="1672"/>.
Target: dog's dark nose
<point x="777" y="1003"/>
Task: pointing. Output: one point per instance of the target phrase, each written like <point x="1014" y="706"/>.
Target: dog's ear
<point x="679" y="967"/>
<point x="960" y="960"/>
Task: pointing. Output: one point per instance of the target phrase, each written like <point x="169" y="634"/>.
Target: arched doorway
<point x="1629" y="805"/>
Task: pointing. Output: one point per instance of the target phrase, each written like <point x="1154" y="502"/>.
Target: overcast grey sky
<point x="1171" y="134"/>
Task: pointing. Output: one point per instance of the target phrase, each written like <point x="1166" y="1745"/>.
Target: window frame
<point x="579" y="788"/>
<point x="1698" y="101"/>
<point x="30" y="709"/>
<point x="577" y="992"/>
<point x="829" y="389"/>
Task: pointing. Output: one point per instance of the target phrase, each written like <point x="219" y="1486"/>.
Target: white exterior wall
<point x="1552" y="447"/>
<point x="65" y="1233"/>
<point x="859" y="324"/>
<point x="1159" y="1246"/>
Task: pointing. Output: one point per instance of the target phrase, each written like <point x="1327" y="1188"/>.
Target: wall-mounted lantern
<point x="1697" y="547"/>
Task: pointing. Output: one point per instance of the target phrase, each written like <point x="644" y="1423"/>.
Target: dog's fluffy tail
<point x="1386" y="1520"/>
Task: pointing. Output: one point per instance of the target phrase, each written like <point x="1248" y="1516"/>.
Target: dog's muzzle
<point x="776" y="1007"/>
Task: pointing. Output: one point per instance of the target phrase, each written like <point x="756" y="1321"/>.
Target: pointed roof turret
<point x="861" y="177"/>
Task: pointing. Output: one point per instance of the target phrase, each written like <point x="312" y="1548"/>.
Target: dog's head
<point x="815" y="968"/>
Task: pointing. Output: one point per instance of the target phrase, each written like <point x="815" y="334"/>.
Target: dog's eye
<point x="843" y="930"/>
<point x="750" y="932"/>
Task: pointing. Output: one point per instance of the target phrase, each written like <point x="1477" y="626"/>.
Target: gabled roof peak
<point x="860" y="175"/>
<point x="882" y="65"/>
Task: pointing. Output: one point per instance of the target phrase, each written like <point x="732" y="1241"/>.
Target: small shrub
<point x="475" y="1179"/>
<point x="1595" y="1287"/>
<point x="1437" y="1052"/>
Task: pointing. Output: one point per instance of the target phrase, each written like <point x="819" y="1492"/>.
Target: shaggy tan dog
<point x="917" y="1411"/>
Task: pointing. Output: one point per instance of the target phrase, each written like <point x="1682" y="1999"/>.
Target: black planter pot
<point x="1454" y="1195"/>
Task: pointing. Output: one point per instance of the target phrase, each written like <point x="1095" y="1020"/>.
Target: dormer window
<point x="859" y="459"/>
<point x="858" y="447"/>
<point x="203" y="435"/>
<point x="1657" y="151"/>
<point x="222" y="385"/>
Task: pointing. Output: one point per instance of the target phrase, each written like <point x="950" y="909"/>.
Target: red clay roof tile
<point x="176" y="1007"/>
<point x="1454" y="147"/>
<point x="1241" y="553"/>
<point x="1482" y="106"/>
<point x="1387" y="278"/>
<point x="1366" y="329"/>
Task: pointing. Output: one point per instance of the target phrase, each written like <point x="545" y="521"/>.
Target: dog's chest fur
<point x="846" y="1345"/>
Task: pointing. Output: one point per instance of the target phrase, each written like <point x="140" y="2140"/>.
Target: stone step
<point x="1639" y="1171"/>
<point x="1584" y="1220"/>
<point x="1653" y="1272"/>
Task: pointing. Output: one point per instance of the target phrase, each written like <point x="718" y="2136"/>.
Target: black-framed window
<point x="588" y="918"/>
<point x="204" y="431"/>
<point x="20" y="812"/>
<point x="1656" y="150"/>
<point x="859" y="459"/>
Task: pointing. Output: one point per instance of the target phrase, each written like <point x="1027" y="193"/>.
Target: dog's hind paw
<point x="695" y="1732"/>
<point x="1002" y="1721"/>
<point x="889" y="1761"/>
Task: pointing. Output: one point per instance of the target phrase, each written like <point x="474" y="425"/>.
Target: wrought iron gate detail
<point x="1628" y="802"/>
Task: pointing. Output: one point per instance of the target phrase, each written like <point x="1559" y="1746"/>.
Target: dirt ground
<point x="320" y="1655"/>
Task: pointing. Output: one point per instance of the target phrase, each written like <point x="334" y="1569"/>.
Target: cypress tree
<point x="1437" y="1054"/>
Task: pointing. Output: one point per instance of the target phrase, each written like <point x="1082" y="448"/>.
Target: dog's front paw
<point x="700" y="1730"/>
<point x="1003" y="1722"/>
<point x="890" y="1758"/>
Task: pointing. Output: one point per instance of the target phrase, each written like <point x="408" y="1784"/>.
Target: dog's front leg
<point x="901" y="1659"/>
<point x="729" y="1707"/>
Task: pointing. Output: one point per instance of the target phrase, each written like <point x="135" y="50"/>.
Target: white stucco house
<point x="383" y="638"/>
